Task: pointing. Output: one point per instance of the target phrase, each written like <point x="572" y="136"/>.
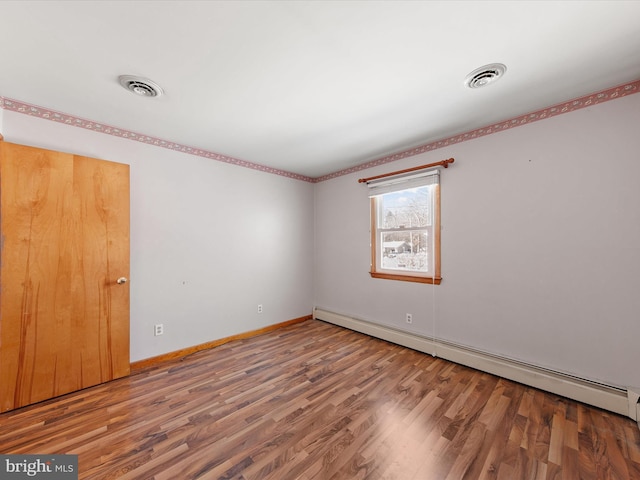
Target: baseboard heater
<point x="614" y="399"/>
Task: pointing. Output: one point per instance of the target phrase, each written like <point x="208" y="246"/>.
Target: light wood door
<point x="64" y="321"/>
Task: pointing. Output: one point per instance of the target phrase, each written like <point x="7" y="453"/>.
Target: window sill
<point x="407" y="278"/>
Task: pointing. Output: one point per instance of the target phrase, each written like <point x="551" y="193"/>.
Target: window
<point x="405" y="228"/>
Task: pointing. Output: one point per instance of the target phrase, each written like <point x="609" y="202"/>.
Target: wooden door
<point x="64" y="321"/>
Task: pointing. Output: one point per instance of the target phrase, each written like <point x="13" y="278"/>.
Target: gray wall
<point x="209" y="241"/>
<point x="540" y="243"/>
<point x="540" y="246"/>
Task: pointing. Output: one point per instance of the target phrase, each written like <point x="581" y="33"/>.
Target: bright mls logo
<point x="50" y="467"/>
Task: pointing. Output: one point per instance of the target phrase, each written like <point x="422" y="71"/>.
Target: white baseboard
<point x="613" y="399"/>
<point x="633" y="393"/>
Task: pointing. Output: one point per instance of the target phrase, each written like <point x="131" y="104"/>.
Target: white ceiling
<point x="311" y="87"/>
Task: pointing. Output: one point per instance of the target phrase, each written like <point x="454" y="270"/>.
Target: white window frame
<point x="397" y="184"/>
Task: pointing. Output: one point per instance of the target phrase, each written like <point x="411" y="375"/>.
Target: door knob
<point x="121" y="280"/>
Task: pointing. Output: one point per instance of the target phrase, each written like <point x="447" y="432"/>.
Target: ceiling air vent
<point x="483" y="76"/>
<point x="140" y="86"/>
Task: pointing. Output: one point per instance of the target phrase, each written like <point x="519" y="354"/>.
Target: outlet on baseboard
<point x="158" y="329"/>
<point x="409" y="318"/>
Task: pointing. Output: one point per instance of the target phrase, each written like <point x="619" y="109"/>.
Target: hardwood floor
<point x="315" y="401"/>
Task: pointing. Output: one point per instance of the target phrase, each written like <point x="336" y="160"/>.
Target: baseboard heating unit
<point x="614" y="399"/>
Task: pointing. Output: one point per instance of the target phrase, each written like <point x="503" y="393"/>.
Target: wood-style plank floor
<point x="315" y="401"/>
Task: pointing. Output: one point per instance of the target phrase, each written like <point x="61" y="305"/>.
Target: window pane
<point x="407" y="208"/>
<point x="404" y="251"/>
<point x="404" y="244"/>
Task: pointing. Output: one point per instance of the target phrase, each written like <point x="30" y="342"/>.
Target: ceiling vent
<point x="140" y="86"/>
<point x="483" y="76"/>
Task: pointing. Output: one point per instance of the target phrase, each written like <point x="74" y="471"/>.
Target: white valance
<point x="403" y="181"/>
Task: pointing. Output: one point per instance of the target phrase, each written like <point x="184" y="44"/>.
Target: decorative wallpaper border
<point x="570" y="106"/>
<point x="48" y="114"/>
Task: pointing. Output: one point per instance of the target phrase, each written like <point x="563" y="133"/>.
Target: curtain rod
<point x="441" y="163"/>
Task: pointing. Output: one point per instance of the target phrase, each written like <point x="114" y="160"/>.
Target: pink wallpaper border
<point x="54" y="116"/>
<point x="566" y="107"/>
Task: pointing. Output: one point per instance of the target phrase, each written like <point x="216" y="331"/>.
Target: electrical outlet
<point x="260" y="308"/>
<point x="158" y="329"/>
<point x="409" y="318"/>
